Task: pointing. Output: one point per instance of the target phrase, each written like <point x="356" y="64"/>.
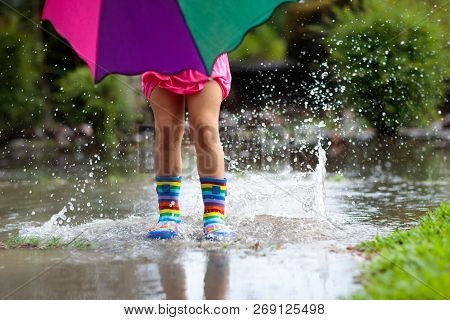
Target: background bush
<point x="103" y="106"/>
<point x="391" y="62"/>
<point x="261" y="44"/>
<point x="20" y="99"/>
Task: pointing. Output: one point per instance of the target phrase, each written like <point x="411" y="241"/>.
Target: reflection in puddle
<point x="291" y="273"/>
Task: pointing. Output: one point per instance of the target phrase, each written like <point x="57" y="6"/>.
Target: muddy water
<point x="293" y="227"/>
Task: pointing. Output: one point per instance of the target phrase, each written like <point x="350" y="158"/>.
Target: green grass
<point x="411" y="264"/>
<point x="19" y="242"/>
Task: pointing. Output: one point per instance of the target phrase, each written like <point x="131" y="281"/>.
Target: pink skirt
<point x="189" y="81"/>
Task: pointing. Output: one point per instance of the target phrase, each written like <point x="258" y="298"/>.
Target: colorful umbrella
<point x="167" y="36"/>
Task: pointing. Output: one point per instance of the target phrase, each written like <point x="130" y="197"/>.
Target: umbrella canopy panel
<point x="219" y="26"/>
<point x="153" y="36"/>
<point x="77" y="21"/>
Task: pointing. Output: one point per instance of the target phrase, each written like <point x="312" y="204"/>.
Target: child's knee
<point x="205" y="135"/>
<point x="170" y="132"/>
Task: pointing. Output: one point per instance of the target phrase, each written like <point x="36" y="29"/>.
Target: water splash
<point x="57" y="219"/>
<point x="319" y="181"/>
<point x="265" y="207"/>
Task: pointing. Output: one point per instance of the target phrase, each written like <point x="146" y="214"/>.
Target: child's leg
<point x="168" y="110"/>
<point x="204" y="109"/>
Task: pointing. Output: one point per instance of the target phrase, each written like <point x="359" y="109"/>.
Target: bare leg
<point x="168" y="110"/>
<point x="204" y="109"/>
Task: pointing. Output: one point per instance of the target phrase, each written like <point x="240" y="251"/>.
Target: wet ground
<point x="293" y="225"/>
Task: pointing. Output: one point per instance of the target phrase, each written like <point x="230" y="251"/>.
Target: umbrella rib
<point x="97" y="43"/>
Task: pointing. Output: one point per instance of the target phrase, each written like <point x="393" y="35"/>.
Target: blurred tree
<point x="266" y="42"/>
<point x="304" y="40"/>
<point x="261" y="44"/>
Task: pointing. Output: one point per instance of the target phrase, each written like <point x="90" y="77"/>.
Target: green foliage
<point x="390" y="62"/>
<point x="20" y="242"/>
<point x="411" y="264"/>
<point x="261" y="44"/>
<point x="19" y="97"/>
<point x="103" y="106"/>
<point x="438" y="11"/>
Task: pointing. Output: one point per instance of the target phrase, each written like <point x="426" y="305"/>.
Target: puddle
<point x="293" y="229"/>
